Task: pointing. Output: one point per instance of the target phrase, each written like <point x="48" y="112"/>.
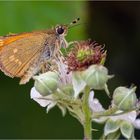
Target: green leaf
<point x="126" y="129"/>
<point x="78" y="83"/>
<point x="111" y="126"/>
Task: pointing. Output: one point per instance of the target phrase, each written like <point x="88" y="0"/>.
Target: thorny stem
<point x="87" y="112"/>
<point x="108" y="112"/>
<point x="112" y="112"/>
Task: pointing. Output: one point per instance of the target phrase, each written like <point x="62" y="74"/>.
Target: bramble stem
<point x="87" y="112"/>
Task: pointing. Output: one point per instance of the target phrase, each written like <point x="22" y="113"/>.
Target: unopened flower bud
<point x="96" y="77"/>
<point x="46" y="83"/>
<point x="125" y="98"/>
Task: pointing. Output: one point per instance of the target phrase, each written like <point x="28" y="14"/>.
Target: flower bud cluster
<point x="81" y="70"/>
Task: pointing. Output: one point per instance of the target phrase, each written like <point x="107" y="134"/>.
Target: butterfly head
<point x="62" y="30"/>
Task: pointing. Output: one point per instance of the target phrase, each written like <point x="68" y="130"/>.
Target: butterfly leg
<point x="45" y="67"/>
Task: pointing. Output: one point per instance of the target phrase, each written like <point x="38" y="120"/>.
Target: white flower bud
<point x="96" y="76"/>
<point x="125" y="98"/>
<point x="46" y="83"/>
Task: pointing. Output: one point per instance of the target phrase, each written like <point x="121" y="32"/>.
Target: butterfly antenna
<point x="73" y="23"/>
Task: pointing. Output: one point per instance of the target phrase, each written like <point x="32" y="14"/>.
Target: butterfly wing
<point x="18" y="52"/>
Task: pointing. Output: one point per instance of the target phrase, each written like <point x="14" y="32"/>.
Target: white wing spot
<point x="15" y="50"/>
<point x="12" y="57"/>
<point x="16" y="60"/>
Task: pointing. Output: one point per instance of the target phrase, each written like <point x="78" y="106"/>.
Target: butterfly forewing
<point x="19" y="52"/>
<point x="24" y="55"/>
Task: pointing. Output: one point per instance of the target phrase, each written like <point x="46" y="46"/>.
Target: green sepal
<point x="111" y="126"/>
<point x="126" y="129"/>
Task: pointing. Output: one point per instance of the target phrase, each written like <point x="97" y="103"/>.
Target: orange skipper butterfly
<point x="24" y="55"/>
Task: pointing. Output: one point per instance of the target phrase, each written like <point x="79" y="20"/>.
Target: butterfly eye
<point x="60" y="30"/>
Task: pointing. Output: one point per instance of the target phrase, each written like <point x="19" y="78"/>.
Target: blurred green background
<point x="115" y="24"/>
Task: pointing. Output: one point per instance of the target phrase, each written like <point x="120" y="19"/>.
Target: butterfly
<point x="24" y="55"/>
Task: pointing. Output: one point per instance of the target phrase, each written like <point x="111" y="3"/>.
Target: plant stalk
<point x="87" y="112"/>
